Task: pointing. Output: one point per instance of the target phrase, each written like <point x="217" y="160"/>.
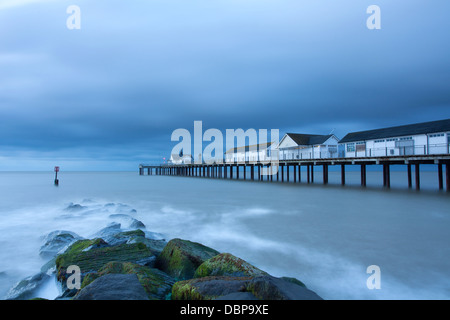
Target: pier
<point x="292" y="169"/>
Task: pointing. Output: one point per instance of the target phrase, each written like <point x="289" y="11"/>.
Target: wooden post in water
<point x="447" y="175"/>
<point x="363" y="175"/>
<point x="325" y="174"/>
<point x="386" y="175"/>
<point x="299" y="173"/>
<point x="312" y="173"/>
<point x="343" y="174"/>
<point x="308" y="173"/>
<point x="295" y="173"/>
<point x="409" y="176"/>
<point x="417" y="176"/>
<point x="56" y="176"/>
<point x="441" y="181"/>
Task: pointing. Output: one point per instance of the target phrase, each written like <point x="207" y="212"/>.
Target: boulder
<point x="97" y="256"/>
<point x="180" y="258"/>
<point x="271" y="288"/>
<point x="208" y="288"/>
<point x="113" y="287"/>
<point x="26" y="288"/>
<point x="108" y="232"/>
<point x="129" y="220"/>
<point x="225" y="264"/>
<point x="75" y="207"/>
<point x="238" y="296"/>
<point x="156" y="283"/>
<point x="57" y="241"/>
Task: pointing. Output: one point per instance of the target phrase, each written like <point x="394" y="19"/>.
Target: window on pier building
<point x="350" y="147"/>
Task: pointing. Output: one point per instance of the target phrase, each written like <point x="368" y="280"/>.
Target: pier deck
<point x="280" y="171"/>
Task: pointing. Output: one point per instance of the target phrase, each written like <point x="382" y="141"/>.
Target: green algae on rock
<point x="208" y="288"/>
<point x="98" y="255"/>
<point x="226" y="264"/>
<point x="180" y="258"/>
<point x="156" y="283"/>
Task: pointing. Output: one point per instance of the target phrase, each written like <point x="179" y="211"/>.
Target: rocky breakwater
<point x="128" y="264"/>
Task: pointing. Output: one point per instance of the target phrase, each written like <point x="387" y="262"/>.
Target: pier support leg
<point x="308" y="173"/>
<point x="287" y="173"/>
<point x="386" y="175"/>
<point x="282" y="173"/>
<point x="312" y="173"/>
<point x="299" y="173"/>
<point x="417" y="176"/>
<point x="409" y="176"/>
<point x="363" y="175"/>
<point x="441" y="180"/>
<point x="252" y="171"/>
<point x="245" y="171"/>
<point x="343" y="174"/>
<point x="295" y="173"/>
<point x="447" y="176"/>
<point x="325" y="174"/>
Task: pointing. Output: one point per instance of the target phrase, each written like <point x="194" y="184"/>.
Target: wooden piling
<point x="417" y="176"/>
<point x="363" y="175"/>
<point x="447" y="176"/>
<point x="325" y="173"/>
<point x="440" y="179"/>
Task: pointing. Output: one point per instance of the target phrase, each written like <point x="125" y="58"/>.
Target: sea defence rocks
<point x="225" y="264"/>
<point x="113" y="287"/>
<point x="57" y="241"/>
<point x="181" y="258"/>
<point x="128" y="264"/>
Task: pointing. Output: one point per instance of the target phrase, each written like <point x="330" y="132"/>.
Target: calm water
<point x="325" y="236"/>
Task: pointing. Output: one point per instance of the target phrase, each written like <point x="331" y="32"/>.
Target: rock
<point x="240" y="288"/>
<point x="97" y="257"/>
<point x="126" y="237"/>
<point x="238" y="296"/>
<point x="57" y="241"/>
<point x="136" y="224"/>
<point x="125" y="218"/>
<point x="293" y="280"/>
<point x="75" y="207"/>
<point x="180" y="258"/>
<point x="156" y="283"/>
<point x="108" y="232"/>
<point x="155" y="246"/>
<point x="113" y="287"/>
<point x="225" y="264"/>
<point x="208" y="288"/>
<point x="27" y="287"/>
<point x="271" y="288"/>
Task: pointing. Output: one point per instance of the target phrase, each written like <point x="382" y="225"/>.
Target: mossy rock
<point x="294" y="280"/>
<point x="208" y="288"/>
<point x="225" y="264"/>
<point x="156" y="283"/>
<point x="180" y="258"/>
<point x="92" y="260"/>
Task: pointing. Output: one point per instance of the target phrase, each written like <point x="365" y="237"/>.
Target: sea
<point x="328" y="236"/>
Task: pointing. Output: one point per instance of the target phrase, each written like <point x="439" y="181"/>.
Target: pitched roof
<point x="254" y="147"/>
<point x="406" y="130"/>
<point x="308" y="139"/>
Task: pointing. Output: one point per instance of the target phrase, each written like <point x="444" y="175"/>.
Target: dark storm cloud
<point x="137" y="70"/>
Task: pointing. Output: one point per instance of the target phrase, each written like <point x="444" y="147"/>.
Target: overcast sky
<point x="108" y="96"/>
